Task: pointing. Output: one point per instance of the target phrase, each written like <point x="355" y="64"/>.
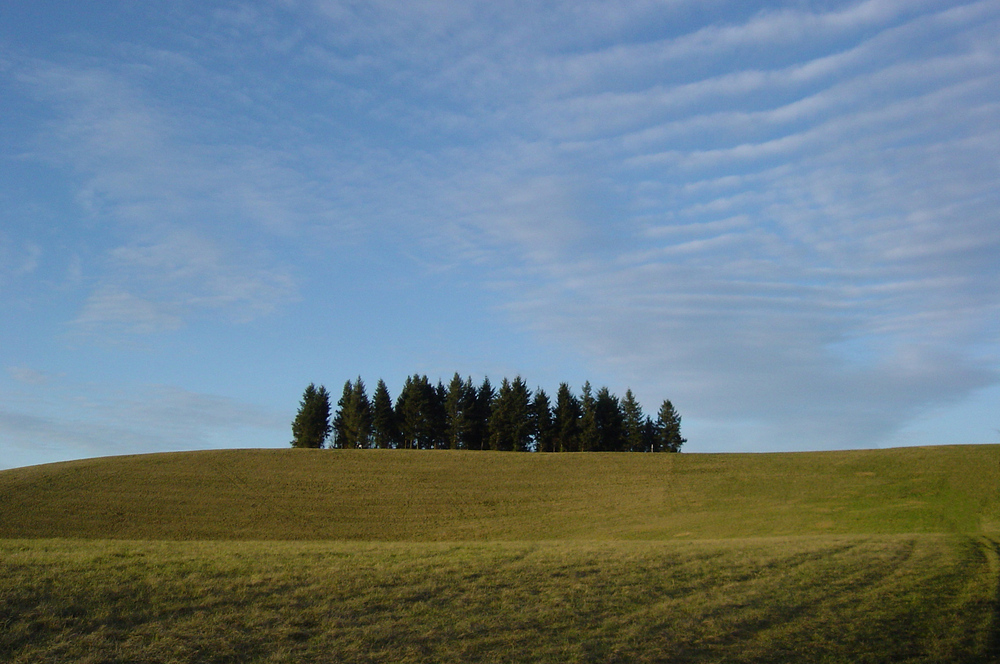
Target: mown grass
<point x="390" y="495"/>
<point x="391" y="556"/>
<point x="916" y="598"/>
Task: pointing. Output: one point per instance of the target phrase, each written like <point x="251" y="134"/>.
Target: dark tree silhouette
<point x="567" y="420"/>
<point x="510" y="422"/>
<point x="668" y="426"/>
<point x="353" y="422"/>
<point x="311" y="425"/>
<point x="609" y="421"/>
<point x="459" y="406"/>
<point x="634" y="424"/>
<point x="481" y="412"/>
<point x="542" y="425"/>
<point x="385" y="431"/>
<point x="461" y="416"/>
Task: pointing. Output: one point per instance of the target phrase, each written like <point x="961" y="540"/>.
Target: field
<point x="391" y="556"/>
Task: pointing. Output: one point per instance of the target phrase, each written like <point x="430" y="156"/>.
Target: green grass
<point x="389" y="495"/>
<point x="368" y="556"/>
<point x="824" y="599"/>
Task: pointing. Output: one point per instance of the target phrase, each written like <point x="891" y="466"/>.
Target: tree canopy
<point x="311" y="425"/>
<point x="463" y="416"/>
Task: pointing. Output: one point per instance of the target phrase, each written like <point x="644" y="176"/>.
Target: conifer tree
<point x="567" y="420"/>
<point x="543" y="426"/>
<point x="339" y="426"/>
<point x="385" y="433"/>
<point x="668" y="427"/>
<point x="590" y="439"/>
<point x="438" y="417"/>
<point x="411" y="407"/>
<point x="521" y="415"/>
<point x="510" y="424"/>
<point x="634" y="423"/>
<point x="420" y="413"/>
<point x="311" y="425"/>
<point x="479" y="428"/>
<point x="357" y="417"/>
<point x="459" y="403"/>
<point x="608" y="420"/>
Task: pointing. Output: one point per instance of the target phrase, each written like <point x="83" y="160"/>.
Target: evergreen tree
<point x="521" y="397"/>
<point x="339" y="426"/>
<point x="543" y="426"/>
<point x="385" y="432"/>
<point x="510" y="424"/>
<point x="459" y="404"/>
<point x="420" y="414"/>
<point x="668" y="427"/>
<point x="438" y="417"/>
<point x="567" y="420"/>
<point x="311" y="425"/>
<point x="479" y="426"/>
<point x="590" y="438"/>
<point x="357" y="417"/>
<point x="406" y="414"/>
<point x="411" y="408"/>
<point x="608" y="420"/>
<point x="634" y="423"/>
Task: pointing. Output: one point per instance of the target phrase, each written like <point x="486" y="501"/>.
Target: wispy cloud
<point x="18" y="259"/>
<point x="774" y="215"/>
<point x="29" y="376"/>
<point x="836" y="265"/>
<point x="188" y="214"/>
<point x="180" y="275"/>
<point x="110" y="310"/>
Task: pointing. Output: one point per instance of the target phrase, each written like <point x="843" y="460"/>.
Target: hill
<point x="395" y="495"/>
<point x="419" y="557"/>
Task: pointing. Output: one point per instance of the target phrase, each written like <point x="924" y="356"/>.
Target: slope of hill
<point x="380" y="495"/>
<point x="419" y="557"/>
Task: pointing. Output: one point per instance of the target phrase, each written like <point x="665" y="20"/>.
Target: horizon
<point x="327" y="448"/>
<point x="783" y="217"/>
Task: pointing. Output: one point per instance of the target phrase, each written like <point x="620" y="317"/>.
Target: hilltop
<point x="440" y="556"/>
<point x="379" y="495"/>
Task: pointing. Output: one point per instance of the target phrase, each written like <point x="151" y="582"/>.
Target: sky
<point x="782" y="216"/>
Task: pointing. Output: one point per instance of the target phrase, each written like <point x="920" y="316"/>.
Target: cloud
<point x="839" y="267"/>
<point x="157" y="286"/>
<point x="18" y="260"/>
<point x="110" y="310"/>
<point x="775" y="217"/>
<point x="182" y="208"/>
<point x="29" y="376"/>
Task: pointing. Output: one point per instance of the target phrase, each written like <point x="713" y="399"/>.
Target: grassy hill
<point x="394" y="495"/>
<point x="391" y="556"/>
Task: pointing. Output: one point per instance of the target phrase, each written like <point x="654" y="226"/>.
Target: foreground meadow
<point x="382" y="556"/>
<point x="815" y="599"/>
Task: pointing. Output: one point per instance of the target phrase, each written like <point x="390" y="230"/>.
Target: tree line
<point x="464" y="416"/>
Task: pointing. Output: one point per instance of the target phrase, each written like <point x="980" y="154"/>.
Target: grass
<point x="395" y="495"/>
<point x="821" y="599"/>
<point x="367" y="556"/>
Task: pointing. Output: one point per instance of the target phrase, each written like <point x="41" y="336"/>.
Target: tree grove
<point x="466" y="416"/>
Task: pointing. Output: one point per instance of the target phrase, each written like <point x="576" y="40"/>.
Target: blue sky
<point x="782" y="216"/>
